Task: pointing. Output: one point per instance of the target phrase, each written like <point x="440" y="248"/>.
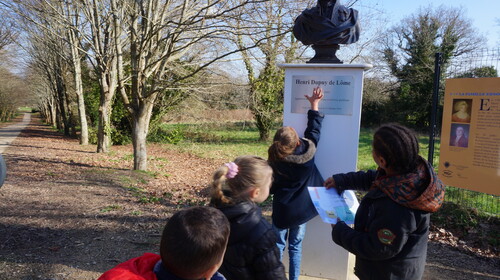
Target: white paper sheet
<point x="330" y="205"/>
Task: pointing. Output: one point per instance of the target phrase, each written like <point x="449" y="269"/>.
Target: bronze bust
<point x="325" y="26"/>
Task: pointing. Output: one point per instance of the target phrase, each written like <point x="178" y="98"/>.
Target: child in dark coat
<point x="251" y="252"/>
<point x="292" y="160"/>
<point x="391" y="226"/>
<point x="192" y="247"/>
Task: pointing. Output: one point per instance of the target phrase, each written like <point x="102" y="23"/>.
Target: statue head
<point x="327" y="25"/>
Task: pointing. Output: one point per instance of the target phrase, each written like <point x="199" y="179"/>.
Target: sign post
<point x="470" y="136"/>
<point x="337" y="149"/>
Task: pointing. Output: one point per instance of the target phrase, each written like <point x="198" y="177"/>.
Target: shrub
<point x="162" y="135"/>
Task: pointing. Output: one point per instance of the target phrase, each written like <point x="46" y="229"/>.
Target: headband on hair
<point x="233" y="170"/>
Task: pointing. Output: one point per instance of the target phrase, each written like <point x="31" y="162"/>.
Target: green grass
<point x="227" y="140"/>
<point x="365" y="159"/>
<point x="217" y="140"/>
<point x="24" y="109"/>
<point x="485" y="204"/>
<point x="110" y="208"/>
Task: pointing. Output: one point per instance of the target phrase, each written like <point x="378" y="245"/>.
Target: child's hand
<point x="315" y="98"/>
<point x="338" y="221"/>
<point x="329" y="183"/>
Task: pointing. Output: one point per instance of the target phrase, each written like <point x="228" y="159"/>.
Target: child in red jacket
<point x="192" y="246"/>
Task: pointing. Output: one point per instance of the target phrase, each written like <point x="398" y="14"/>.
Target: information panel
<point x="338" y="90"/>
<point x="470" y="136"/>
<point x="337" y="150"/>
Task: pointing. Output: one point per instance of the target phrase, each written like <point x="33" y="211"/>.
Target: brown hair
<point x="194" y="240"/>
<point x="398" y="145"/>
<point x="285" y="142"/>
<point x="253" y="171"/>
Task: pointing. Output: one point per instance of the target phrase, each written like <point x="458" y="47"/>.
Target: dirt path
<point x="67" y="212"/>
<point x="53" y="223"/>
<point x="10" y="132"/>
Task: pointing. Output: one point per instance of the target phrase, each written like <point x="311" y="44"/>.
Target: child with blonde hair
<point x="251" y="252"/>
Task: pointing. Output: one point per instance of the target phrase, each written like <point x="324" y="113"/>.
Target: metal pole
<point x="435" y="99"/>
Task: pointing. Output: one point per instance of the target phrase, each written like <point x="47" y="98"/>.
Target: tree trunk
<point x="84" y="134"/>
<point x="62" y="105"/>
<point x="69" y="112"/>
<point x="59" y="121"/>
<point x="104" y="128"/>
<point x="140" y="128"/>
<point x="263" y="125"/>
<point x="44" y="111"/>
<point x="53" y="112"/>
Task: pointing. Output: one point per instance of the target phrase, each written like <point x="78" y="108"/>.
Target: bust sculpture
<point x="325" y="26"/>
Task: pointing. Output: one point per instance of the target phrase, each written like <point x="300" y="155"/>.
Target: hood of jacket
<point x="292" y="172"/>
<point x="420" y="189"/>
<point x="243" y="217"/>
<point x="140" y="268"/>
<point x="310" y="150"/>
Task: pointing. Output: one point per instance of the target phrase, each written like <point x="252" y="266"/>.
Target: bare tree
<point x="169" y="42"/>
<point x="41" y="89"/>
<point x="60" y="20"/>
<point x="11" y="94"/>
<point x="268" y="26"/>
<point x="72" y="17"/>
<point x="47" y="53"/>
<point x="101" y="39"/>
<point x="53" y="68"/>
<point x="8" y="33"/>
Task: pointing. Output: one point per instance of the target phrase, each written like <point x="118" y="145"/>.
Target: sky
<point x="484" y="14"/>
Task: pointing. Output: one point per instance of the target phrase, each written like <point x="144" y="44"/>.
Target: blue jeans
<point x="295" y="236"/>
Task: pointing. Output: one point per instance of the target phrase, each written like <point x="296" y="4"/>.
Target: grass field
<point x="231" y="139"/>
<point x="227" y="140"/>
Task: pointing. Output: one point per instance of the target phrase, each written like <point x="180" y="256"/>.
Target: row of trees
<point x="146" y="53"/>
<point x="120" y="65"/>
<point x="9" y="83"/>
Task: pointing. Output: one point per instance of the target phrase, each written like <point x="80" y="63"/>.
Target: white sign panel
<point x="337" y="149"/>
<point x="338" y="90"/>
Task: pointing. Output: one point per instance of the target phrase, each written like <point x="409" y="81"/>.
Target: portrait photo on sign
<point x="459" y="135"/>
<point x="461" y="110"/>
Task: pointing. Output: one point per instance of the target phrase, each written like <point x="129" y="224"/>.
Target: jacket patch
<point x="385" y="236"/>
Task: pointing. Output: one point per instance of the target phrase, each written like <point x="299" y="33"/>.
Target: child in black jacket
<point x="292" y="160"/>
<point x="251" y="251"/>
<point x="391" y="226"/>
